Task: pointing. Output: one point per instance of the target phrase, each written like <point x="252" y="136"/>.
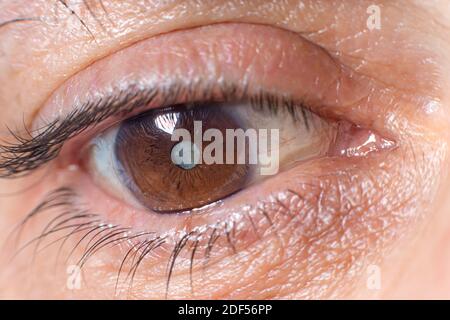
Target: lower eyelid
<point x="305" y="207"/>
<point x="309" y="206"/>
<point x="342" y="210"/>
<point x="119" y="213"/>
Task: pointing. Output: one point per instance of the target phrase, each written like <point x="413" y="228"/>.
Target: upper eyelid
<point x="36" y="110"/>
<point x="89" y="21"/>
<point x="44" y="145"/>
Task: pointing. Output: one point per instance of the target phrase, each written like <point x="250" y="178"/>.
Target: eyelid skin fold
<point x="245" y="60"/>
<point x="252" y="58"/>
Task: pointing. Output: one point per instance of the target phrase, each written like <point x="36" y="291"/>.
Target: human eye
<point x="119" y="158"/>
<point x="194" y="162"/>
<point x="188" y="156"/>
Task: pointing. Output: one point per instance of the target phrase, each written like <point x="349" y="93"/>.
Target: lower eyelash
<point x="68" y="220"/>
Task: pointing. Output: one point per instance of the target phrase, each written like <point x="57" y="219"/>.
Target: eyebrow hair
<point x="72" y="12"/>
<point x="65" y="5"/>
<point x="96" y="17"/>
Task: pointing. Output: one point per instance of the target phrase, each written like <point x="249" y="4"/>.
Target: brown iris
<point x="143" y="149"/>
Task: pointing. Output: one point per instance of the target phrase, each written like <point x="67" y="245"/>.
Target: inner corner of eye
<point x="354" y="141"/>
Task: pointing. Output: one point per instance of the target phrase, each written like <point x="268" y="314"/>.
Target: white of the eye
<point x="104" y="166"/>
<point x="103" y="156"/>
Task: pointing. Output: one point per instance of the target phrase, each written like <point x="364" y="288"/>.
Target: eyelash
<point x="96" y="235"/>
<point x="29" y="152"/>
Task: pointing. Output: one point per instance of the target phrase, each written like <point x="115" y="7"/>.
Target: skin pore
<point x="349" y="219"/>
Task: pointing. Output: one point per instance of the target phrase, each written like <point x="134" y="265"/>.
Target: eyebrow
<point x="72" y="12"/>
<point x="66" y="6"/>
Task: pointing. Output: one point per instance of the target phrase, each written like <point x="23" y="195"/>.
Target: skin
<point x="386" y="212"/>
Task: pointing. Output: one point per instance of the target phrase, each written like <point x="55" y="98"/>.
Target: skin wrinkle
<point x="18" y="20"/>
<point x="421" y="150"/>
<point x="315" y="241"/>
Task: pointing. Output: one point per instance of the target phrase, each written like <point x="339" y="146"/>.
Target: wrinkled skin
<point x="349" y="220"/>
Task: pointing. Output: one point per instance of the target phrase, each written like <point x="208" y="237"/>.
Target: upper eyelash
<point x="29" y="152"/>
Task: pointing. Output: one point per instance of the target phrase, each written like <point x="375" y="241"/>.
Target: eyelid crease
<point x="28" y="153"/>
